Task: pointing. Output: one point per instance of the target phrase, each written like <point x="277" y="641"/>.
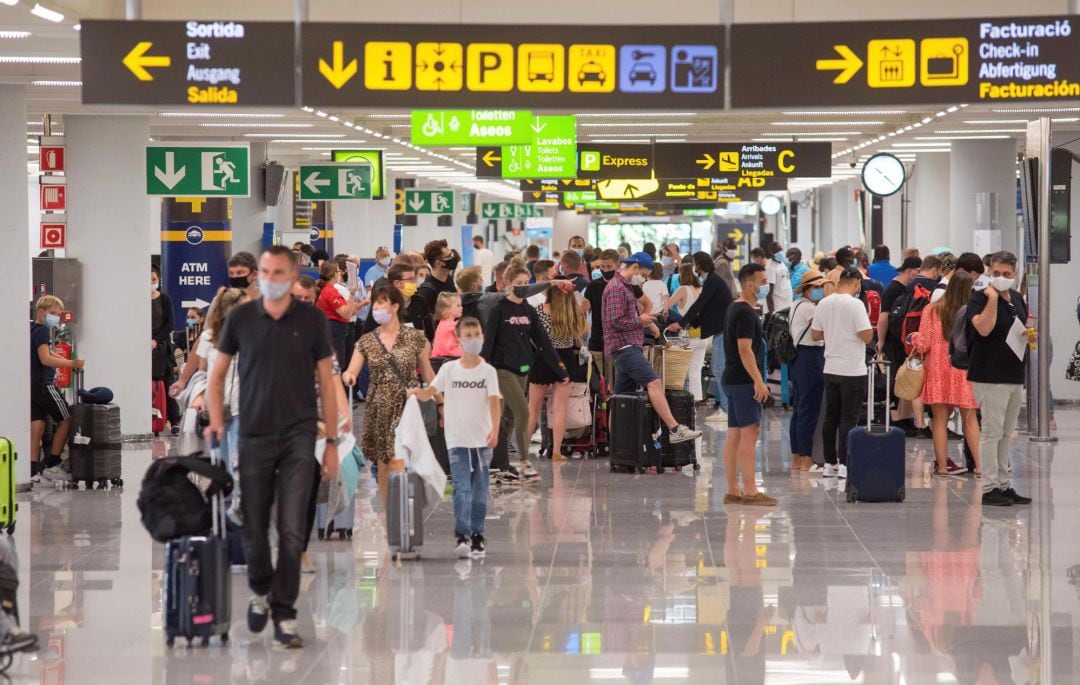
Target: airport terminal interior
<point x="157" y="140"/>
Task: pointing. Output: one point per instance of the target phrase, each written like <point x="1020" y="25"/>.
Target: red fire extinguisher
<point x="63" y="374"/>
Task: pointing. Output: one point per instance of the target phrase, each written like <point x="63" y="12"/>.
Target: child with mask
<point x="465" y="385"/>
<point x="45" y="399"/>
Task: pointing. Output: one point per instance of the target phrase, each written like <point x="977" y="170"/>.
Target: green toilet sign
<point x="335" y="182"/>
<point x="440" y="127"/>
<point x="199" y="170"/>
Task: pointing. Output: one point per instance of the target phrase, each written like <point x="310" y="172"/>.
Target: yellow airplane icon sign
<point x="137" y="61"/>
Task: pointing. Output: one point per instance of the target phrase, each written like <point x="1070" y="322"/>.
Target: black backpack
<point x="777" y="329"/>
<point x="906" y="316"/>
<point x="171" y="505"/>
<point x="958" y="341"/>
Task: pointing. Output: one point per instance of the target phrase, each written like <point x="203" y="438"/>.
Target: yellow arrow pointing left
<point x="490" y="158"/>
<point x="137" y="60"/>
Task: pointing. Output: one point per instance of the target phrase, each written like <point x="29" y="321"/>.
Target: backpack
<point x="958" y="341"/>
<point x="906" y="315"/>
<point x="171" y="505"/>
<point x="873" y="306"/>
<point x="777" y="329"/>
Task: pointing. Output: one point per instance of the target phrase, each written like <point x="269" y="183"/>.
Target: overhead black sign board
<point x="906" y="62"/>
<point x="750" y="164"/>
<point x="208" y="63"/>
<point x="615" y="161"/>
<point x="552" y="185"/>
<point x="458" y="65"/>
<point x="719" y="189"/>
<point x="547" y="197"/>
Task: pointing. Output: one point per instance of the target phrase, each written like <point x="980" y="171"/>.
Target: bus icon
<point x="541" y="66"/>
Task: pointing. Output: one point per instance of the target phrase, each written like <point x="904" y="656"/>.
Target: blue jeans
<point x="808" y="373"/>
<point x="718" y="362"/>
<point x="632" y="369"/>
<point x="469" y="471"/>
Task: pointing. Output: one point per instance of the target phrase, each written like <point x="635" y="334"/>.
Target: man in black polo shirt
<point x="281" y="343"/>
<point x="443" y="261"/>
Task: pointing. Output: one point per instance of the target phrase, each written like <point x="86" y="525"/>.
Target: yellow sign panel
<point x="388" y="66"/>
<point x="890" y="63"/>
<point x="490" y="67"/>
<point x="728" y="161"/>
<point x="541" y="67"/>
<point x="943" y="61"/>
<point x="439" y="66"/>
<point x="592" y="68"/>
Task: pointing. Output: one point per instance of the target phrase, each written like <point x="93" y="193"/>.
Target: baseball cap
<point x="639" y="258"/>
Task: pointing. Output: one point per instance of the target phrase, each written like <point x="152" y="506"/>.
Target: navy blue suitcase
<point x="875" y="454"/>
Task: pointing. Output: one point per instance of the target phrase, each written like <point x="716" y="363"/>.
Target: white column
<point x="15" y="337"/>
<point x="361" y="226"/>
<point x="249" y="213"/>
<point x="109" y="234"/>
<point x="928" y="214"/>
<point x="980" y="167"/>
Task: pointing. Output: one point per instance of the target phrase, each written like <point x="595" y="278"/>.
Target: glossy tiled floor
<point x="594" y="577"/>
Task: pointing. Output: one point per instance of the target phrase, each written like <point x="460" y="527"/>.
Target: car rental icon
<point x="591" y="71"/>
<point x="642" y="71"/>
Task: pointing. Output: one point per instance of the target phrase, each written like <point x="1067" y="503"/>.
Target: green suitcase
<point x="8" y="507"/>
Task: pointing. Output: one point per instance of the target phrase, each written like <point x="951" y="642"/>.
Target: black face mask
<point x="451" y="263"/>
<point x="521" y="291"/>
<point x="608" y="275"/>
<point x="239" y="282"/>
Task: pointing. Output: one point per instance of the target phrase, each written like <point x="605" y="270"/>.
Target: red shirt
<point x="330" y="300"/>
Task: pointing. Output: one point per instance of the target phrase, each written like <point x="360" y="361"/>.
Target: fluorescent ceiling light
<point x="877" y="112"/>
<point x="14" y="35"/>
<point x="962" y="137"/>
<point x="231" y="115"/>
<point x="1034" y="110"/>
<point x="27" y="59"/>
<point x="624" y="124"/>
<point x="57" y="84"/>
<point x="617" y="140"/>
<point x="47" y="14"/>
<point x="639" y="135"/>
<point x="631" y="115"/>
<point x="11" y="3"/>
<point x="388" y="116"/>
<point x="249" y="124"/>
<point x="826" y="123"/>
<point x="982" y="130"/>
<point x="813" y="133"/>
<point x="299" y="136"/>
<point x="313" y="141"/>
<point x="770" y="140"/>
<point x="935" y="144"/>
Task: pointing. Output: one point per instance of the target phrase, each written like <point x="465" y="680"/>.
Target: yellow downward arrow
<point x="340" y="73"/>
<point x="849" y="64"/>
<point x="137" y="60"/>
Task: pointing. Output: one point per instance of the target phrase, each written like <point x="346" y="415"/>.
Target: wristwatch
<point x="332" y="441"/>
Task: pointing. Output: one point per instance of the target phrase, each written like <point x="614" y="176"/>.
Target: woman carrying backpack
<point x="944" y="386"/>
<point x="807" y="371"/>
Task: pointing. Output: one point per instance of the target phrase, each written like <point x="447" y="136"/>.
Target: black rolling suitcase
<point x="95" y="443"/>
<point x="680" y="454"/>
<point x="632" y="424"/>
<point x="198" y="584"/>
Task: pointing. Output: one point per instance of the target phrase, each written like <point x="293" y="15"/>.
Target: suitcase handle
<point x="870" y="391"/>
<point x="217" y="500"/>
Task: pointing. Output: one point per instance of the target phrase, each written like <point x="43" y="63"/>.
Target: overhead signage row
<point x="750" y="165"/>
<point x="551" y="152"/>
<point x="335" y="181"/>
<point x="243" y="63"/>
<point x="553" y="185"/>
<point x="509" y="210"/>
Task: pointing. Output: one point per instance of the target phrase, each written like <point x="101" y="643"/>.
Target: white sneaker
<point x="841" y="471"/>
<point x="816" y="469"/>
<point x="829" y="472"/>
<point x="682" y="434"/>
<point x="717" y="418"/>
<point x="55" y="473"/>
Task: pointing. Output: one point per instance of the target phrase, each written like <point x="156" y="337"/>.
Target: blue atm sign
<point x="479" y="66"/>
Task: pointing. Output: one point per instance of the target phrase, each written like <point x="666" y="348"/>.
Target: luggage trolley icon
<point x="944" y="62"/>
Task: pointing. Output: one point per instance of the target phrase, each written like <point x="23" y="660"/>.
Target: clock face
<point x="883" y="174"/>
<point x="771" y="204"/>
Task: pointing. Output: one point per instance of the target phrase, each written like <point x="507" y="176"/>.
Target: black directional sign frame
<point x="115" y="54"/>
<point x="743" y="160"/>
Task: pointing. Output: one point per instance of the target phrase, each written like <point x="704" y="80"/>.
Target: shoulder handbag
<point x="910" y="378"/>
<point x="1072" y="371"/>
<point x="429" y="409"/>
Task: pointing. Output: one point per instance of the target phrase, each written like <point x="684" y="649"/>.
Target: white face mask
<point x="274" y="290"/>
<point x="731" y="254"/>
<point x="637" y="280"/>
<point x="1001" y="283"/>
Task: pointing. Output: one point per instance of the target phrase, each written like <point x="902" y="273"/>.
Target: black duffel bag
<point x="171" y="505"/>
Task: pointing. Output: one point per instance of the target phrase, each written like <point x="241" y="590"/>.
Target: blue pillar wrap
<point x="196" y="243"/>
<point x="322" y="227"/>
<point x="467" y="257"/>
<point x="398" y="229"/>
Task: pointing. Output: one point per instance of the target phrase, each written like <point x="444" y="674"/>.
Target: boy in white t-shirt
<point x="466" y="385"/>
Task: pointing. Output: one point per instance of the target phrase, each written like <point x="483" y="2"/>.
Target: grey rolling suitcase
<point x="405" y="514"/>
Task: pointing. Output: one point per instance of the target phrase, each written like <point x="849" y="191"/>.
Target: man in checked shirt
<point x="624" y="335"/>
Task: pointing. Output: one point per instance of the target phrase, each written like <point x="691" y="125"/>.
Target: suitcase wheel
<point x="697" y="467"/>
<point x="103" y="484"/>
<point x="11" y="529"/>
<point x="118" y="482"/>
<point x="852" y="494"/>
<point x="341" y="535"/>
<point x="189" y="643"/>
<point x="322" y="535"/>
<point x="224" y="638"/>
<point x="901" y="494"/>
<point x="170" y="640"/>
<point x="348" y="534"/>
<point x="206" y="641"/>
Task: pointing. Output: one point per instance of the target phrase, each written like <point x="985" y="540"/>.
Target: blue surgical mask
<point x="787" y="262"/>
<point x="472" y="346"/>
<point x="580" y="251"/>
<point x="52" y="320"/>
<point x="763" y="291"/>
<point x="192" y="323"/>
<point x="778" y="258"/>
<point x="816" y="294"/>
<point x="666" y="261"/>
<point x="597" y="274"/>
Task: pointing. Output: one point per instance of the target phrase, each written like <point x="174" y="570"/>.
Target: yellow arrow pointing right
<point x="736" y="234"/>
<point x="848" y="65"/>
<point x="339" y="73"/>
<point x="707" y="162"/>
<point x="137" y="60"/>
<point x="490" y="158"/>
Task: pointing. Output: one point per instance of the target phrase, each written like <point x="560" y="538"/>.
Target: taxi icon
<point x="642" y="71"/>
<point x="591" y="71"/>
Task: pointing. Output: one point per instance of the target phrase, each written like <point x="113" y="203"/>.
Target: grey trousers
<point x="1000" y="406"/>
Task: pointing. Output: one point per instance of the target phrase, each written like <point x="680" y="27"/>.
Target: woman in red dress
<point x="946" y="387"/>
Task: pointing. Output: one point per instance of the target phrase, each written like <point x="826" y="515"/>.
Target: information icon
<point x="694" y="69"/>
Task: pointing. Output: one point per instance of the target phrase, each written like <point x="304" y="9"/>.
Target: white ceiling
<point x="293" y="134"/>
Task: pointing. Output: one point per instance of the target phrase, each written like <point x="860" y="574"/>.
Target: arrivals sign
<point x="335" y="182"/>
<point x="458" y="65"/>
<point x="906" y="62"/>
<point x="752" y="165"/>
<point x="198" y="170"/>
<point x="216" y="63"/>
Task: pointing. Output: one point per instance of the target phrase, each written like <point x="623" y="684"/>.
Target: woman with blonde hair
<point x="564" y="322"/>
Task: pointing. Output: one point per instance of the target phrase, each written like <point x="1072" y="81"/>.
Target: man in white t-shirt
<point x="483" y="258"/>
<point x="841" y="321"/>
<point x="467" y="386"/>
<point x="780" y="296"/>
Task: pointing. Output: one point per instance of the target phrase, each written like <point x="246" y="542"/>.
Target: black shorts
<point x="542" y="374"/>
<point x="45" y="401"/>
